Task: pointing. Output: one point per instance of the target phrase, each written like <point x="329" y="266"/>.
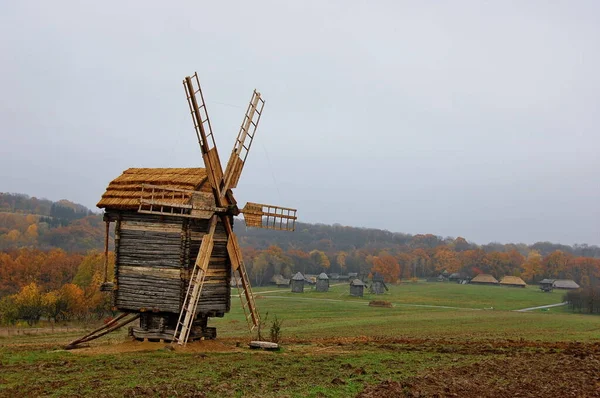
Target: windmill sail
<point x="242" y="145"/>
<point x="204" y="133"/>
<point x="269" y="216"/>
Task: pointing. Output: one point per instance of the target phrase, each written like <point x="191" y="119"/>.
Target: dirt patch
<point x="525" y="375"/>
<point x="380" y="303"/>
<point x="221" y="345"/>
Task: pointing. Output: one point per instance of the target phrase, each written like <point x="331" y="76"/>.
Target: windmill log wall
<point x="154" y="258"/>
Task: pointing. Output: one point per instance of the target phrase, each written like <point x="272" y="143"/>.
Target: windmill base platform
<point x="161" y="327"/>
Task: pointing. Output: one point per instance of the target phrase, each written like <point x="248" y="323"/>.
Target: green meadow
<point x="333" y="345"/>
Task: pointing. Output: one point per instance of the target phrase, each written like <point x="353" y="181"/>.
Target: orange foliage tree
<point x="386" y="265"/>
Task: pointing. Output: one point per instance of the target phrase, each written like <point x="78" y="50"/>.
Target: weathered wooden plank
<point x="150" y="285"/>
<point x="149" y="226"/>
<point x="156" y="297"/>
<point x="158" y="263"/>
<point x="150" y="271"/>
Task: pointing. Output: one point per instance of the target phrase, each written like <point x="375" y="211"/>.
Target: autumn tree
<point x="472" y="260"/>
<point x="91" y="264"/>
<point x="532" y="267"/>
<point x="460" y="244"/>
<point x="555" y="263"/>
<point x="270" y="262"/>
<point x="340" y="260"/>
<point x="72" y="302"/>
<point x="405" y="265"/>
<point x="320" y="260"/>
<point x="422" y="264"/>
<point x="9" y="311"/>
<point x="445" y="260"/>
<point x="386" y="265"/>
<point x="29" y="303"/>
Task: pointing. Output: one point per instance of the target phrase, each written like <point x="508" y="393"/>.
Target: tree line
<point x="61" y="286"/>
<point x="54" y="285"/>
<point x="43" y="224"/>
<point x="40" y="223"/>
<point x="396" y="264"/>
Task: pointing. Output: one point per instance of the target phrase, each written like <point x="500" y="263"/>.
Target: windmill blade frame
<point x="205" y="135"/>
<point x="243" y="142"/>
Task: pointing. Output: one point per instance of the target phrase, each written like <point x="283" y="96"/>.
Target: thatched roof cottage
<point x="513" y="281"/>
<point x="484" y="279"/>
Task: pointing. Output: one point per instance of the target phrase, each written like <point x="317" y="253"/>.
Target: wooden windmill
<point x="175" y="249"/>
<point x="255" y="214"/>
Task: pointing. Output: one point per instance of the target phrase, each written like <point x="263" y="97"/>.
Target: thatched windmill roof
<point x="298" y="277"/>
<point x="484" y="278"/>
<point x="323" y="276"/>
<point x="513" y="281"/>
<point x="124" y="192"/>
<point x="357" y="282"/>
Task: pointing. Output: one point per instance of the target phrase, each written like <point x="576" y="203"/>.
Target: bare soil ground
<point x="141" y="346"/>
<point x="364" y="366"/>
<point x="515" y="369"/>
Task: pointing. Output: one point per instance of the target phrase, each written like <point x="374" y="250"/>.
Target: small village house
<point x="484" y="279"/>
<point x="566" y="284"/>
<point x="547" y="285"/>
<point x="513" y="281"/>
<point x="357" y="288"/>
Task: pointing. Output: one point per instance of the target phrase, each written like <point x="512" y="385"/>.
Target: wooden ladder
<point x="194" y="290"/>
<point x="247" y="298"/>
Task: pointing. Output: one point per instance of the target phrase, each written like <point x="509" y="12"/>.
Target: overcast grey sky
<point x="457" y="118"/>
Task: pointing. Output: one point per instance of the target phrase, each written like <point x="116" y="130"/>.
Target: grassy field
<point x="334" y="345"/>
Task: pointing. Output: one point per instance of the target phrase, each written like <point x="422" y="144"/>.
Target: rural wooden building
<point x="484" y="279"/>
<point x="322" y="282"/>
<point x="378" y="285"/>
<point x="280" y="281"/>
<point x="458" y="277"/>
<point x="513" y="281"/>
<point x="357" y="288"/>
<point x="566" y="284"/>
<point x="154" y="254"/>
<point x="547" y="285"/>
<point x="298" y="283"/>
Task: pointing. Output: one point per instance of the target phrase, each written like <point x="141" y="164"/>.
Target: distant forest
<point x="30" y="227"/>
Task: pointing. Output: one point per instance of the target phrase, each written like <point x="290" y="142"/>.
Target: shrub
<point x="276" y="330"/>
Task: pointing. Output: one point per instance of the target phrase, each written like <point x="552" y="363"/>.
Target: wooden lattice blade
<point x="203" y="128"/>
<point x="269" y="216"/>
<point x="243" y="142"/>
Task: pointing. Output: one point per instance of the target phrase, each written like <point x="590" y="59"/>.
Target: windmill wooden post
<point x="322" y="282"/>
<point x="297" y="283"/>
<point x="175" y="249"/>
<point x="378" y="284"/>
